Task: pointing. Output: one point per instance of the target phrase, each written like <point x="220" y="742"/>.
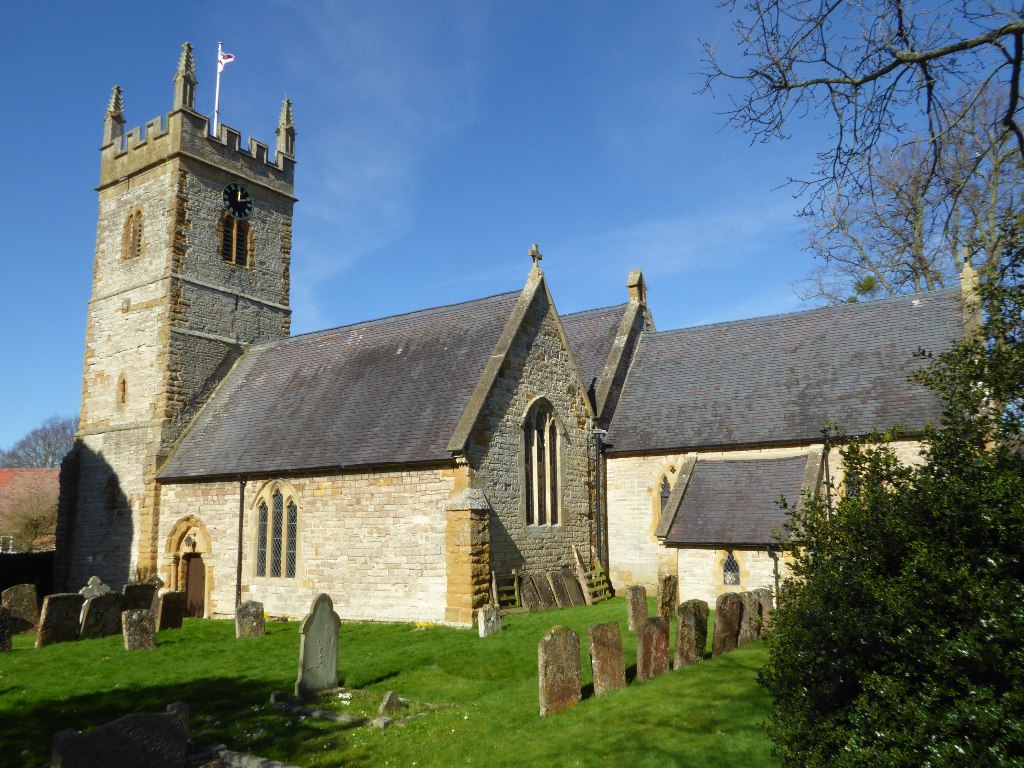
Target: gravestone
<point x="5" y="629"/>
<point x="94" y="587"/>
<point x="172" y="610"/>
<point x="728" y="615"/>
<point x="750" y="621"/>
<point x="606" y="662"/>
<point x="558" y="670"/>
<point x="652" y="648"/>
<point x="138" y="596"/>
<point x="101" y="616"/>
<point x="636" y="607"/>
<point x="153" y="740"/>
<point x="249" y="620"/>
<point x="571" y="583"/>
<point x="488" y="620"/>
<point x="139" y="629"/>
<point x="391" y="703"/>
<point x="22" y="602"/>
<point x="558" y="589"/>
<point x="547" y="598"/>
<point x="767" y="606"/>
<point x="59" y="620"/>
<point x="668" y="588"/>
<point x="691" y="632"/>
<point x="528" y="594"/>
<point x="318" y="648"/>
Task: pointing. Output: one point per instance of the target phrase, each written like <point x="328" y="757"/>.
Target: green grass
<point x="708" y="714"/>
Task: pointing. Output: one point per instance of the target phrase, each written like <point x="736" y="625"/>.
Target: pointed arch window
<point x="541" y="460"/>
<point x="665" y="491"/>
<point x="277" y="535"/>
<point x="730" y="571"/>
<point x="234" y="240"/>
<point x="131" y="241"/>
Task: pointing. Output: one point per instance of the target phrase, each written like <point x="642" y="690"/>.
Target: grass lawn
<point x="705" y="715"/>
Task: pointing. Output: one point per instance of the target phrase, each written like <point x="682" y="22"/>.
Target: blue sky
<point x="436" y="142"/>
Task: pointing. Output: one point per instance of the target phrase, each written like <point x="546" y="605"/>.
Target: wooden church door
<point x="195" y="586"/>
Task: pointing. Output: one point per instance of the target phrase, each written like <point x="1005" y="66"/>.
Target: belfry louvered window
<point x="234" y="243"/>
<point x="541" y="459"/>
<point x="131" y="242"/>
<point x="730" y="571"/>
<point x="277" y="536"/>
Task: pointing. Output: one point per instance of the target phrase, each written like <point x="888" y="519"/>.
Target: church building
<point x="397" y="463"/>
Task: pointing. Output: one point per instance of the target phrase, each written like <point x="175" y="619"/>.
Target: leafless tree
<point x="32" y="514"/>
<point x="44" y="446"/>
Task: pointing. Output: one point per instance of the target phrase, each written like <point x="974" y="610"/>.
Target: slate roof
<point x="387" y="391"/>
<point x="733" y="502"/>
<point x="591" y="335"/>
<point x="780" y="378"/>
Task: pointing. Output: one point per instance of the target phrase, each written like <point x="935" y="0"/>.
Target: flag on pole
<point x="222" y="59"/>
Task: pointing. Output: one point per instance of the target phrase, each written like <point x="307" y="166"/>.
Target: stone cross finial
<point x="536" y="255"/>
<point x="116" y="106"/>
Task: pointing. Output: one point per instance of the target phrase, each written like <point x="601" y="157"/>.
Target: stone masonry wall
<point x="537" y="366"/>
<point x="374" y="541"/>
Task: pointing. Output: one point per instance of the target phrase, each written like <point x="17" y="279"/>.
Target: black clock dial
<point x="237" y="200"/>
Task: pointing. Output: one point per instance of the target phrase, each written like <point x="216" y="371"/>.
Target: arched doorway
<point x="195" y="585"/>
<point x="190" y="559"/>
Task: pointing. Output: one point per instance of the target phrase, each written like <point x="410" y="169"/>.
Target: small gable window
<point x="730" y="571"/>
<point x="666" y="491"/>
<point x="541" y="459"/>
<point x="234" y="240"/>
<point x="277" y="532"/>
<point x="131" y="241"/>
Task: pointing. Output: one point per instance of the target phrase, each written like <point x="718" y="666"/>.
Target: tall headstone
<point x="157" y="740"/>
<point x="652" y="648"/>
<point x="318" y="648"/>
<point x="606" y="661"/>
<point x="172" y="610"/>
<point x="5" y="629"/>
<point x="138" y="596"/>
<point x="249" y="620"/>
<point x="94" y="587"/>
<point x="528" y="594"/>
<point x="728" y="615"/>
<point x="767" y="606"/>
<point x="139" y="629"/>
<point x="750" y="621"/>
<point x="488" y="620"/>
<point x="558" y="589"/>
<point x="558" y="670"/>
<point x="691" y="633"/>
<point x="636" y="607"/>
<point x="22" y="602"/>
<point x="101" y="616"/>
<point x="668" y="588"/>
<point x="59" y="621"/>
<point x="547" y="597"/>
<point x="571" y="583"/>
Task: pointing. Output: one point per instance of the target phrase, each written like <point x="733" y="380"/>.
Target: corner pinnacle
<point x="186" y="63"/>
<point x="287" y="119"/>
<point x="115" y="108"/>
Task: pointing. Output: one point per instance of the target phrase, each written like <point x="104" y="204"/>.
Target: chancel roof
<point x="388" y="391"/>
<point x="780" y="379"/>
<point x="591" y="335"/>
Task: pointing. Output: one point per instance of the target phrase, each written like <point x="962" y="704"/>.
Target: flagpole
<point x="216" y="96"/>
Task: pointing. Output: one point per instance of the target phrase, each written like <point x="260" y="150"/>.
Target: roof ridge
<point x="593" y="311"/>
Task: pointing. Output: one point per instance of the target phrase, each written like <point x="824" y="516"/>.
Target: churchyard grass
<point x="708" y="714"/>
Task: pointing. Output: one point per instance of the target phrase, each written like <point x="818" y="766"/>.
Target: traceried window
<point x="234" y="240"/>
<point x="730" y="571"/>
<point x="666" y="491"/>
<point x="541" y="458"/>
<point x="131" y="241"/>
<point x="277" y="536"/>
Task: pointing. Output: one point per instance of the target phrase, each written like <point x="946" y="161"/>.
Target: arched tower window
<point x="131" y="241"/>
<point x="730" y="571"/>
<point x="234" y="240"/>
<point x="277" y="535"/>
<point x="122" y="390"/>
<point x="541" y="459"/>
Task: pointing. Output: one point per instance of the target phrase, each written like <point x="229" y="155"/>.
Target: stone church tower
<point x="192" y="260"/>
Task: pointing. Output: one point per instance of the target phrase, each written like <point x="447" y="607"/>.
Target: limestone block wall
<point x="701" y="577"/>
<point x="537" y="365"/>
<point x="374" y="541"/>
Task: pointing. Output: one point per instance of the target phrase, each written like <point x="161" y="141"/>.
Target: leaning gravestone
<point x="606" y="662"/>
<point x="155" y="740"/>
<point x="691" y="632"/>
<point x="558" y="589"/>
<point x="767" y="606"/>
<point x="22" y="602"/>
<point x="750" y="621"/>
<point x="59" y="621"/>
<point x="652" y="649"/>
<point x="547" y="597"/>
<point x="558" y="670"/>
<point x="172" y="610"/>
<point x="488" y="620"/>
<point x="318" y="648"/>
<point x="94" y="587"/>
<point x="636" y="607"/>
<point x="138" y="596"/>
<point x="101" y="616"/>
<point x="249" y="620"/>
<point x="528" y="594"/>
<point x="139" y="629"/>
<point x="728" y="615"/>
<point x="668" y="588"/>
<point x="5" y="629"/>
<point x="572" y="587"/>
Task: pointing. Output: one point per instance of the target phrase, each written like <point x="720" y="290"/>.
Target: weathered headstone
<point x="728" y="615"/>
<point x="488" y="620"/>
<point x="668" y="588"/>
<point x="652" y="648"/>
<point x="101" y="616"/>
<point x="22" y="602"/>
<point x="606" y="662"/>
<point x="391" y="703"/>
<point x="94" y="587"/>
<point x="636" y="607"/>
<point x="767" y="606"/>
<point x="138" y="596"/>
<point x="750" y="621"/>
<point x="139" y="629"/>
<point x="691" y="632"/>
<point x="558" y="670"/>
<point x="528" y="594"/>
<point x="571" y="583"/>
<point x="5" y="629"/>
<point x="59" y="621"/>
<point x="547" y="598"/>
<point x="249" y="620"/>
<point x="558" y="589"/>
<point x="157" y="740"/>
<point x="318" y="648"/>
<point x="172" y="610"/>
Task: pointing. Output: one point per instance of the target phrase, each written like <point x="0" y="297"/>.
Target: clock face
<point x="237" y="200"/>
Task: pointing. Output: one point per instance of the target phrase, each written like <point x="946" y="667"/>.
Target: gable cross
<point x="536" y="255"/>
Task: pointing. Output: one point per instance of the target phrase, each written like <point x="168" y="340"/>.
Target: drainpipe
<point x="238" y="563"/>
<point x="598" y="530"/>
